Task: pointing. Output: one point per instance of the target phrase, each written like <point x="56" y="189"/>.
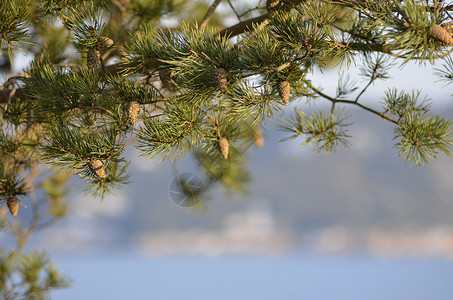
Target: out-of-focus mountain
<point x="332" y="202"/>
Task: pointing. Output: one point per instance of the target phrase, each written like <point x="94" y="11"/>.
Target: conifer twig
<point x="242" y="27"/>
<point x="234" y="10"/>
<point x="209" y="13"/>
<point x="334" y="100"/>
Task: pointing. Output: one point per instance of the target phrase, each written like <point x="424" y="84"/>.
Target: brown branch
<point x="234" y="10"/>
<point x="209" y="13"/>
<point x="249" y="24"/>
<point x="242" y="27"/>
<point x="335" y="100"/>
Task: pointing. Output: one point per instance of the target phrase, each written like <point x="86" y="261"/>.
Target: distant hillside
<point x="366" y="187"/>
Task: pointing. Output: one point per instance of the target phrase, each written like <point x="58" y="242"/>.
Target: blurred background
<point x="355" y="224"/>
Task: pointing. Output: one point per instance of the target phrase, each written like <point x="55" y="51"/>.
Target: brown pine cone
<point x="284" y="89"/>
<point x="223" y="147"/>
<point x="93" y="59"/>
<point x="13" y="205"/>
<point x="165" y="78"/>
<point x="105" y="42"/>
<point x="441" y="34"/>
<point x="132" y="110"/>
<point x="97" y="168"/>
<point x="259" y="140"/>
<point x="220" y="78"/>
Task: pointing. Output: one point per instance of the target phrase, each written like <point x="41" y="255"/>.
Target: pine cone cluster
<point x="220" y="78"/>
<point x="284" y="89"/>
<point x="97" y="167"/>
<point x="223" y="147"/>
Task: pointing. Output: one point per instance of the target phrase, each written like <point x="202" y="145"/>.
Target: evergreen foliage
<point x="28" y="276"/>
<point x="106" y="74"/>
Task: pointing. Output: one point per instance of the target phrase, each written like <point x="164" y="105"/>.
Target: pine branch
<point x="242" y="27"/>
<point x="209" y="13"/>
<point x="182" y="82"/>
<point x="352" y="102"/>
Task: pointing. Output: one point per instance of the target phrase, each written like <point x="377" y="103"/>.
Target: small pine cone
<point x="448" y="27"/>
<point x="132" y="109"/>
<point x="220" y="78"/>
<point x="93" y="59"/>
<point x="165" y="78"/>
<point x="272" y="7"/>
<point x="97" y="168"/>
<point x="259" y="140"/>
<point x="284" y="89"/>
<point x="13" y="205"/>
<point x="105" y="42"/>
<point x="223" y="147"/>
<point x="441" y="34"/>
<point x="386" y="49"/>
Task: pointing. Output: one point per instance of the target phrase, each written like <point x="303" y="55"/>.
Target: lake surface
<point x="301" y="276"/>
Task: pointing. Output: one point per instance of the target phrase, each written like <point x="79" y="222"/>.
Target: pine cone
<point x="97" y="168"/>
<point x="93" y="59"/>
<point x="165" y="78"/>
<point x="448" y="27"/>
<point x="131" y="110"/>
<point x="220" y="78"/>
<point x="223" y="147"/>
<point x="441" y="34"/>
<point x="259" y="140"/>
<point x="386" y="49"/>
<point x="272" y="7"/>
<point x="13" y="205"/>
<point x="284" y="89"/>
<point x="105" y="42"/>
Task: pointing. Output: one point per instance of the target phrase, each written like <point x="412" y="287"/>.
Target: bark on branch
<point x="242" y="27"/>
<point x="209" y="13"/>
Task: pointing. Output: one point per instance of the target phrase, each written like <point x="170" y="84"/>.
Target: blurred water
<point x="132" y="276"/>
